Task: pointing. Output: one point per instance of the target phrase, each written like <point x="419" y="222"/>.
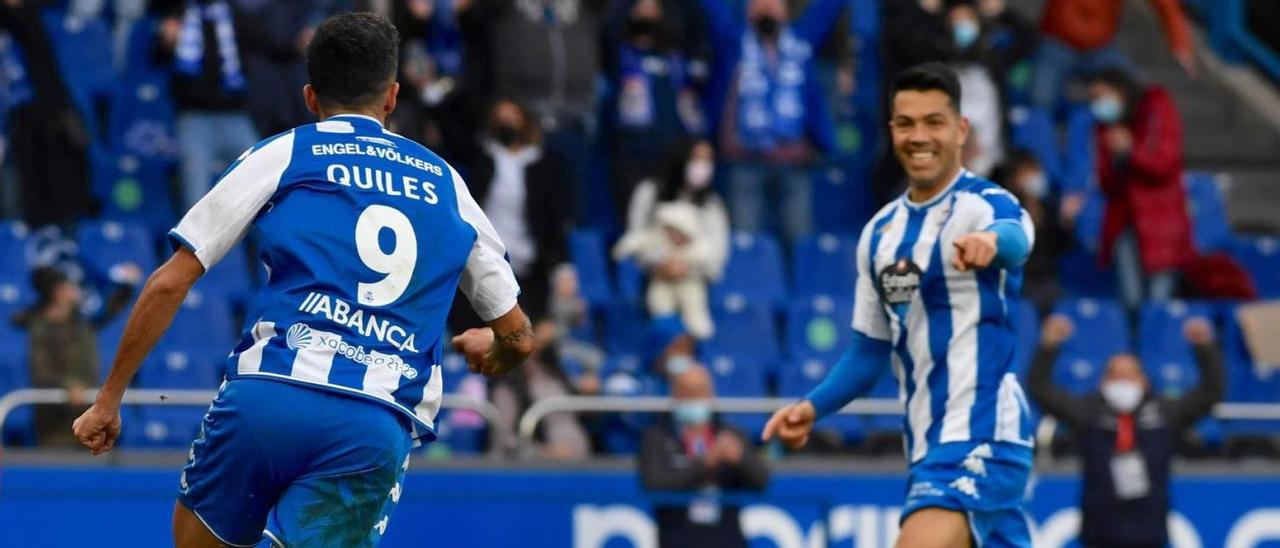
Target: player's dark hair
<point x="352" y="58"/>
<point x="932" y="76"/>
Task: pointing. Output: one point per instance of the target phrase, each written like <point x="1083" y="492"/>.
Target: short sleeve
<point x="216" y="222"/>
<point x="487" y="280"/>
<point x="1000" y="206"/>
<point x="868" y="313"/>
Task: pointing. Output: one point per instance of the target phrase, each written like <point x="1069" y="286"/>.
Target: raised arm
<point x="1199" y="401"/>
<point x="817" y="20"/>
<point x="1052" y="400"/>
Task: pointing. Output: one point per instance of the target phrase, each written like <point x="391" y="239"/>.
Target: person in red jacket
<point x="1079" y="37"/>
<point x="1146" y="229"/>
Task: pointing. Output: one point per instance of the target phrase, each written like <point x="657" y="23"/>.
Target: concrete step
<point x="1255" y="147"/>
<point x="1251" y="199"/>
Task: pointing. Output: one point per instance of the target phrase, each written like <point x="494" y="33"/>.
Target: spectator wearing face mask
<point x="521" y="188"/>
<point x="1023" y="175"/>
<point x="1146" y="230"/>
<point x="1127" y="435"/>
<point x="691" y="451"/>
<point x="982" y="102"/>
<point x="652" y="100"/>
<point x="768" y="108"/>
<point x="679" y="232"/>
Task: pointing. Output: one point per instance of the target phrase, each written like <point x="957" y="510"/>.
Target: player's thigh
<point x="190" y="532"/>
<point x="934" y="528"/>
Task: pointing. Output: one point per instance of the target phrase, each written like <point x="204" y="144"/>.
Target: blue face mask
<point x="965" y="33"/>
<point x="692" y="412"/>
<point x="1107" y="109"/>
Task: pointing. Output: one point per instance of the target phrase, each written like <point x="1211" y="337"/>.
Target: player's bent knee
<point x="934" y="528"/>
<point x="189" y="531"/>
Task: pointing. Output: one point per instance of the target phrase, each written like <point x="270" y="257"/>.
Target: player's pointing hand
<point x="792" y="424"/>
<point x="974" y="251"/>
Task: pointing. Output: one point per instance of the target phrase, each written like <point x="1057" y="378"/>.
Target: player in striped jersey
<point x="366" y="236"/>
<point x="936" y="269"/>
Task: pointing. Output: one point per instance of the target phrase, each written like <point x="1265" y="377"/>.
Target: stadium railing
<point x="31" y="396"/>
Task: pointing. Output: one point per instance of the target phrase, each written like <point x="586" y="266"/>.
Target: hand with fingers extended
<point x="974" y="251"/>
<point x="792" y="424"/>
<point x="98" y="428"/>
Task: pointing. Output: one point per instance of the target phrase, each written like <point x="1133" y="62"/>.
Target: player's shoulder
<point x="973" y="185"/>
<point x="881" y="218"/>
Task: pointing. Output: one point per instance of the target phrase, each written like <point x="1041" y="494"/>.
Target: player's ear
<point x="309" y="97"/>
<point x="390" y="103"/>
<point x="964" y="131"/>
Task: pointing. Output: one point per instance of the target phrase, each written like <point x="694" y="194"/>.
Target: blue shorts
<point x="295" y="465"/>
<point x="986" y="481"/>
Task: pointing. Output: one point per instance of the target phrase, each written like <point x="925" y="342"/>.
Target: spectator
<point x="569" y="316"/>
<point x="520" y="185"/>
<point x="1013" y="38"/>
<point x="768" y="107"/>
<point x="1146" y="228"/>
<point x="561" y="435"/>
<point x="692" y="451"/>
<point x="1127" y="435"/>
<point x="652" y="101"/>
<point x="1027" y="180"/>
<point x="1079" y="38"/>
<point x="544" y="54"/>
<point x="673" y="251"/>
<point x="982" y="102"/>
<point x="686" y="179"/>
<point x="49" y="137"/>
<point x="431" y="73"/>
<point x="64" y="349"/>
<point x="274" y="36"/>
<point x="209" y="89"/>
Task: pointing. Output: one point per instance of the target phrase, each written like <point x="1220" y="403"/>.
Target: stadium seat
<point x="743" y="329"/>
<point x="624" y="328"/>
<point x="798" y="377"/>
<point x="106" y="244"/>
<point x="15" y="375"/>
<point x="1032" y="129"/>
<point x="1261" y="256"/>
<point x="230" y="280"/>
<point x="13" y="253"/>
<point x="631" y="281"/>
<point x="192" y="354"/>
<point x="1101" y="332"/>
<point x="1208" y="210"/>
<point x="818" y="327"/>
<point x="627" y="364"/>
<point x="739" y="376"/>
<point x="1246" y="382"/>
<point x="1166" y="355"/>
<point x="163" y="427"/>
<point x="825" y="265"/>
<point x="1082" y="277"/>
<point x="1026" y="323"/>
<point x="754" y="271"/>
<point x="1077" y="165"/>
<point x="587" y="250"/>
<point x="842" y="200"/>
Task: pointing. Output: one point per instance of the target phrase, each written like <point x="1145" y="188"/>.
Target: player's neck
<point x="379" y="116"/>
<point x="921" y="192"/>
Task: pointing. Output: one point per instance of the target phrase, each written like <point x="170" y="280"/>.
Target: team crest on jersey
<point x="898" y="283"/>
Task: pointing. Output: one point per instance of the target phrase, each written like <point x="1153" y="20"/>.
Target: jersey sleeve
<point x="1003" y="207"/>
<point x="868" y="313"/>
<point x="487" y="280"/>
<point x="216" y="222"/>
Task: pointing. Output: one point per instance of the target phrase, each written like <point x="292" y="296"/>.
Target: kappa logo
<point x="975" y="462"/>
<point x="966" y="485"/>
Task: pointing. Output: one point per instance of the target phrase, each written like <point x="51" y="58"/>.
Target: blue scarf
<point x="637" y="103"/>
<point x="190" y="49"/>
<point x="771" y="106"/>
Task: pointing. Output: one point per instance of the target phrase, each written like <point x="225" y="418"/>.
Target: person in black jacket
<point x="1127" y="435"/>
<point x="692" y="451"/>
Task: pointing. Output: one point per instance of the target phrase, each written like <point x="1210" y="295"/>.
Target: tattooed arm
<point x="499" y="348"/>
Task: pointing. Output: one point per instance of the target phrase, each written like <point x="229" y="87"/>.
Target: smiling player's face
<point x="928" y="134"/>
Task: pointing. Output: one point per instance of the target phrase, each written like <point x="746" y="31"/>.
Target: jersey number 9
<point x="397" y="265"/>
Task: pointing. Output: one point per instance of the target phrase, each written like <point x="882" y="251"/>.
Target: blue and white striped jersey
<point x="366" y="236"/>
<point x="951" y="333"/>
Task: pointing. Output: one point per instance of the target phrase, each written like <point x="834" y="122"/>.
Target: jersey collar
<point x="361" y="116"/>
<point x="906" y="200"/>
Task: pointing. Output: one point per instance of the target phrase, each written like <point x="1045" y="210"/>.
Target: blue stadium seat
<point x="15" y="375"/>
<point x="162" y="427"/>
<point x="825" y="265"/>
<point x="1261" y="257"/>
<point x="1101" y="332"/>
<point x="798" y="377"/>
<point x="133" y="188"/>
<point x="743" y="329"/>
<point x="754" y="271"/>
<point x="106" y="244"/>
<point x="587" y="250"/>
<point x="1246" y="383"/>
<point x="1033" y="130"/>
<point x="625" y="325"/>
<point x="842" y="200"/>
<point x="1026" y="323"/>
<point x="818" y="327"/>
<point x="1082" y="277"/>
<point x="1166" y="355"/>
<point x="1077" y="166"/>
<point x="1208" y="210"/>
<point x="230" y="280"/>
<point x="192" y="354"/>
<point x="13" y="253"/>
<point x="631" y="281"/>
<point x="626" y="364"/>
<point x="739" y="376"/>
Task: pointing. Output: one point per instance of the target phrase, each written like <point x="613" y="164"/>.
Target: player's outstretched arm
<point x="852" y="377"/>
<point x="499" y="348"/>
<point x="164" y="292"/>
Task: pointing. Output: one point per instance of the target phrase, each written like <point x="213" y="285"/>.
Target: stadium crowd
<point x="679" y="185"/>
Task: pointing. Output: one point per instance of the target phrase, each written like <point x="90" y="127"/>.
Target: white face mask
<point x="697" y="173"/>
<point x="1123" y="396"/>
<point x="1036" y="185"/>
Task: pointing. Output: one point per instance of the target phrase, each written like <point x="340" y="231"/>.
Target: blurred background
<point x="680" y="185"/>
